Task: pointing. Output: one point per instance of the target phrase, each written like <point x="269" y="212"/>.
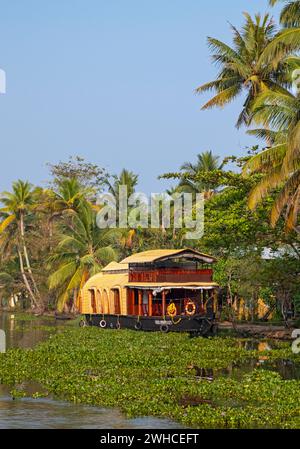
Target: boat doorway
<point x="117" y="302"/>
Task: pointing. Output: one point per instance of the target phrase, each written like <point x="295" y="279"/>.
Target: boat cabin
<point x="151" y="288"/>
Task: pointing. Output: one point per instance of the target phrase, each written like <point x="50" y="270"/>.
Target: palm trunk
<point x="74" y="304"/>
<point x="26" y="282"/>
<point x="28" y="266"/>
<point x="231" y="310"/>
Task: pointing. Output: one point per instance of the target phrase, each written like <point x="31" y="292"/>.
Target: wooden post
<point x="150" y="298"/>
<point x="204" y="301"/>
<point x="132" y="302"/>
<point x="215" y="294"/>
<point x="140" y="295"/>
<point x="164" y="303"/>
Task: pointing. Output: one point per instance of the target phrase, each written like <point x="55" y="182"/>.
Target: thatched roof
<point x="115" y="267"/>
<point x="107" y="281"/>
<point x="115" y="274"/>
<point x="164" y="254"/>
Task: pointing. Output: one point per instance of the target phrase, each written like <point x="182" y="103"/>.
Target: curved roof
<point x="115" y="274"/>
<point x="115" y="266"/>
<point x="107" y="281"/>
<point x="162" y="254"/>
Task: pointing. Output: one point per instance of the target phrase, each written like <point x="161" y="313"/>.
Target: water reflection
<point x="27" y="333"/>
<point x="51" y="414"/>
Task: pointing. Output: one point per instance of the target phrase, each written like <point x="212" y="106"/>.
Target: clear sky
<point x="112" y="81"/>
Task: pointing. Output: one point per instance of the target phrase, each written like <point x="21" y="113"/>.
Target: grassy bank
<point x="154" y="374"/>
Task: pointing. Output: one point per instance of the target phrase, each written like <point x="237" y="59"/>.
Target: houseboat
<point x="161" y="290"/>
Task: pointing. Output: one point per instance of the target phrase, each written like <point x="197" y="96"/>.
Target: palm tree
<point x="290" y="14"/>
<point x="82" y="251"/>
<point x="287" y="40"/>
<point x="126" y="178"/>
<point x="206" y="162"/>
<point x="69" y="196"/>
<point x="129" y="180"/>
<point x="18" y="204"/>
<point x="244" y="69"/>
<point x="280" y="163"/>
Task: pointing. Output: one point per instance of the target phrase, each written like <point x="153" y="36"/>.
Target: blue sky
<point x="112" y="81"/>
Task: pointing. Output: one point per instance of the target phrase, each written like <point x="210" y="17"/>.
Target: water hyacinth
<point x="162" y="376"/>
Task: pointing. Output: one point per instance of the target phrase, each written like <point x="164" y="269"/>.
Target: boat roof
<point x="165" y="285"/>
<point x="106" y="281"/>
<point x="115" y="274"/>
<point x="115" y="267"/>
<point x="164" y="254"/>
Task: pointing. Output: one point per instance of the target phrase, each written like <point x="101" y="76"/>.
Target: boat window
<point x="93" y="301"/>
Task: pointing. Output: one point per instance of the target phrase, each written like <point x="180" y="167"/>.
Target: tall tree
<point x="206" y="162"/>
<point x="67" y="195"/>
<point x="82" y="251"/>
<point x="129" y="180"/>
<point x="280" y="164"/>
<point x="125" y="178"/>
<point x="244" y="69"/>
<point x="87" y="174"/>
<point x="18" y="204"/>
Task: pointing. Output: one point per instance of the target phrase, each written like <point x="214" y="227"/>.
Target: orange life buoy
<point x="190" y="308"/>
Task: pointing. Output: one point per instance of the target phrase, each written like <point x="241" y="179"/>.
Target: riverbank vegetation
<point x="206" y="383"/>
<point x="50" y="243"/>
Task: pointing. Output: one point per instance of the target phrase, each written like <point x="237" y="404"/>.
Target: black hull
<point x="196" y="325"/>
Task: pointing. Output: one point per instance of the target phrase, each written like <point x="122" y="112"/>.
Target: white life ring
<point x="103" y="324"/>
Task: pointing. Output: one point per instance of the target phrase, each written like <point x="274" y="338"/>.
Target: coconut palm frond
<point x="245" y="67"/>
<point x="284" y="43"/>
<point x="105" y="255"/>
<point x="222" y="98"/>
<point x="289" y="188"/>
<point x="267" y="159"/>
<point x="269" y="136"/>
<point x="290" y="14"/>
<point x="6" y="222"/>
<point x="61" y="275"/>
<point x="268" y="183"/>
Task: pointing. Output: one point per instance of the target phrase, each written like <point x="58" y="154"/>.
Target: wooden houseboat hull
<point x="197" y="325"/>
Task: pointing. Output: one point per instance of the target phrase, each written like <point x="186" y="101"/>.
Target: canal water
<point x="50" y="413"/>
<point x="47" y="413"/>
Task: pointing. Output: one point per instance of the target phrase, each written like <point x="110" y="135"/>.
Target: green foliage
<point x="267" y="295"/>
<point x="296" y="301"/>
<point x="153" y="375"/>
<point x="82" y="250"/>
<point x="290" y="14"/>
<point x="87" y="174"/>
